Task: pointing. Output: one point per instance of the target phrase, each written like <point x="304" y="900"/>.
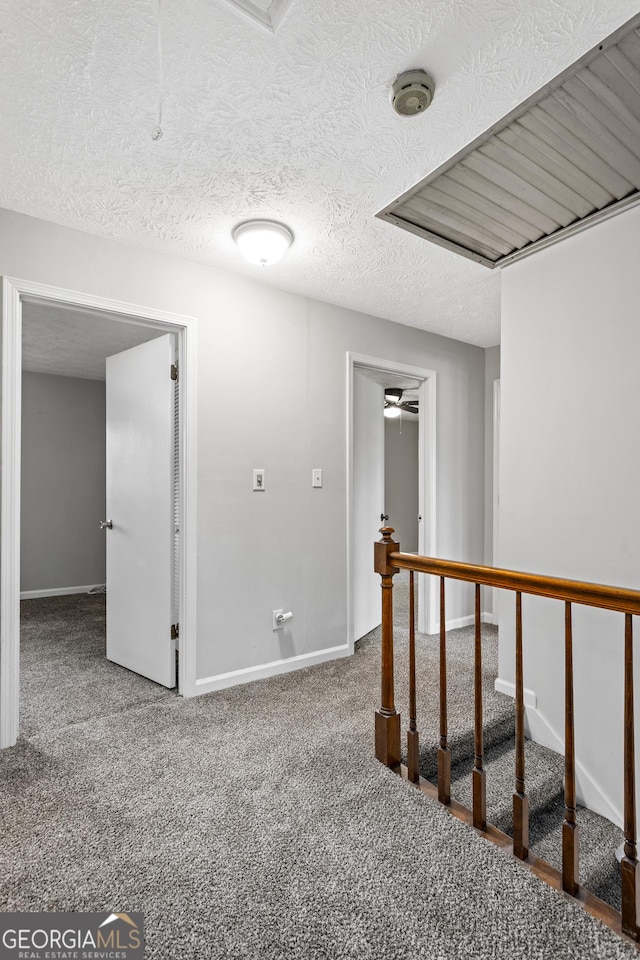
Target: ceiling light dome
<point x="262" y="241"/>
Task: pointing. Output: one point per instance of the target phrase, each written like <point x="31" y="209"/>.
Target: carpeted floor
<point x="65" y="677"/>
<point x="256" y="823"/>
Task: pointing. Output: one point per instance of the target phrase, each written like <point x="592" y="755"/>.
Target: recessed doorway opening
<point x="67" y="337"/>
<point x="368" y="378"/>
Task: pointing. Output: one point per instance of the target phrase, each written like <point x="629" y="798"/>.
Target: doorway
<point x="24" y="298"/>
<point x="367" y="378"/>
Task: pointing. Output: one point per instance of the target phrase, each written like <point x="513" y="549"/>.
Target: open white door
<point x="140" y="440"/>
<point x="368" y="499"/>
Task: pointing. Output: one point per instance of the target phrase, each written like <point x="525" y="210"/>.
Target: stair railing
<point x="388" y="561"/>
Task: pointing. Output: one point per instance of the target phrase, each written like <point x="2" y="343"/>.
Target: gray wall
<point x="272" y="393"/>
<point x="63" y="482"/>
<point x="401" y="480"/>
<point x="570" y="475"/>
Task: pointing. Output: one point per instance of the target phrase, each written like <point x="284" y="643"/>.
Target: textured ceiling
<point x="74" y="343"/>
<point x="567" y="156"/>
<point x="294" y="125"/>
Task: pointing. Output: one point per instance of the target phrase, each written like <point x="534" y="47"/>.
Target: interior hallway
<point x="256" y="823"/>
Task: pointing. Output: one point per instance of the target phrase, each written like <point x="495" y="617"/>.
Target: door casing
<point x="14" y="293"/>
<point x="428" y="595"/>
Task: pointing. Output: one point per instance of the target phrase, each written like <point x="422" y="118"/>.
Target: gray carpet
<point x="255" y="823"/>
<point x="65" y="677"/>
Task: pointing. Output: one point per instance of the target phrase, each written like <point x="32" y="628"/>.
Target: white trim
<point x="10" y="514"/>
<point x="466" y="621"/>
<point x="58" y="591"/>
<point x="589" y="793"/>
<point x="249" y="674"/>
<point x="509" y="689"/>
<point x="537" y="728"/>
<point x="428" y="597"/>
<point x="187" y="641"/>
<point x="14" y="291"/>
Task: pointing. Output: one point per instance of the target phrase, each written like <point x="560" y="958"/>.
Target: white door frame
<point x="14" y="292"/>
<point x="428" y="594"/>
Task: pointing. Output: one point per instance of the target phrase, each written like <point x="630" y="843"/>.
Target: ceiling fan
<point x="394" y="405"/>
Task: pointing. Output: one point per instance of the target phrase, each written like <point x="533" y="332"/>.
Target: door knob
<point x="384" y="516"/>
<point x="106" y="523"/>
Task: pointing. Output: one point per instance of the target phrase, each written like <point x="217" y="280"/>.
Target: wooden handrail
<point x="556" y="588"/>
<point x="388" y="561"/>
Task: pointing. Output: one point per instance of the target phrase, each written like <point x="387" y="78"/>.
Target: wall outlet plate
<point x="259" y="478"/>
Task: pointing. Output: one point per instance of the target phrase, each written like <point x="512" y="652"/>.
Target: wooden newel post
<point x="387" y="720"/>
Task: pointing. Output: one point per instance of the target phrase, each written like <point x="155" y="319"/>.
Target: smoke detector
<point x="412" y="92"/>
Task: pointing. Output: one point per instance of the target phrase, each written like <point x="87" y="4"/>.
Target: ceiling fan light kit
<point x="262" y="241"/>
<point x="395" y="406"/>
<point x="412" y="92"/>
<point x="392" y="411"/>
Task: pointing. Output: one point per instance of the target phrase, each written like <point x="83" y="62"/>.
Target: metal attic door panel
<point x="566" y="157"/>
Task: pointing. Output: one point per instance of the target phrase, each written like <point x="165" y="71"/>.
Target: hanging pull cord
<point x="157" y="132"/>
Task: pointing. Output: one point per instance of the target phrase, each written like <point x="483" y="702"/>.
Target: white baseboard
<point x="57" y="591"/>
<point x="467" y="621"/>
<point x="589" y="793"/>
<point x="505" y="686"/>
<point x="248" y="674"/>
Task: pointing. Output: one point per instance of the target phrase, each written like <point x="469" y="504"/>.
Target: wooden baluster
<point x="444" y="754"/>
<point x="413" y="739"/>
<point x="629" y="862"/>
<point x="479" y="778"/>
<point x="387" y="720"/>
<point x="570" y="829"/>
<point x="520" y="799"/>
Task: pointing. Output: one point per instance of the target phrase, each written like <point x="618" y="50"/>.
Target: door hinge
<point x="174" y="371"/>
<point x="175" y="631"/>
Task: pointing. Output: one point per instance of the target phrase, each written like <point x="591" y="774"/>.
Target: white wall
<point x="401" y="480"/>
<point x="570" y="472"/>
<point x="271" y="393"/>
<point x="491" y="374"/>
<point x="63" y="482"/>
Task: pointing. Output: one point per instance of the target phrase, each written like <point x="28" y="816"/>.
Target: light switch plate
<point x="259" y="478"/>
<point x="316" y="477"/>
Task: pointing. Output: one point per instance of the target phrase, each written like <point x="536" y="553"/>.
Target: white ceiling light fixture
<point x="262" y="241"/>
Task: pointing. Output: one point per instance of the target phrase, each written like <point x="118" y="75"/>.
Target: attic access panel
<point x="566" y="157"/>
<point x="267" y="13"/>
